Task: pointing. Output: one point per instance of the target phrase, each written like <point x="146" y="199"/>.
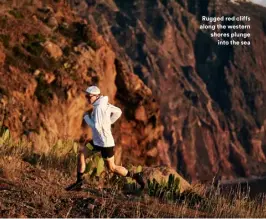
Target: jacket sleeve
<point x="115" y="113"/>
<point x="98" y="121"/>
<point x="89" y="121"/>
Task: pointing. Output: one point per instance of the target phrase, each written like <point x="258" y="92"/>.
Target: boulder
<point x="161" y="174"/>
<point x="52" y="22"/>
<point x="52" y="49"/>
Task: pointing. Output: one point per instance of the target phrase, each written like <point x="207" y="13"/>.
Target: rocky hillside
<point x="187" y="103"/>
<point x="48" y="56"/>
<point x="211" y="97"/>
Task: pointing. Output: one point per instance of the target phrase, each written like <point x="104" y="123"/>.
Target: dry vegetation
<point x="32" y="185"/>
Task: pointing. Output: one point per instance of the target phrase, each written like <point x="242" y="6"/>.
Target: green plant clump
<point x="169" y="190"/>
<point x="5" y="136"/>
<point x="95" y="166"/>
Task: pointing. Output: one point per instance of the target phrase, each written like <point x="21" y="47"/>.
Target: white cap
<point x="93" y="90"/>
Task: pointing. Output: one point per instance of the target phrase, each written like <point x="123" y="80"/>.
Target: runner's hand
<point x="90" y="111"/>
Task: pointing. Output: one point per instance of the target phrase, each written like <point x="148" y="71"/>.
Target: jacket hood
<point x="103" y="100"/>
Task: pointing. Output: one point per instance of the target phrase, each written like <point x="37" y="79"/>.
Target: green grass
<point x="61" y="155"/>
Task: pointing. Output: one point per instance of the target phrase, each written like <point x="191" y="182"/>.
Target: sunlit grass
<point x="61" y="156"/>
<point x="212" y="202"/>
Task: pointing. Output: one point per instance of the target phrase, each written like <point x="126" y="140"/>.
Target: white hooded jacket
<point x="102" y="117"/>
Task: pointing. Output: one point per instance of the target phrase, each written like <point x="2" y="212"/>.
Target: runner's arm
<point x="115" y="113"/>
<point x="88" y="120"/>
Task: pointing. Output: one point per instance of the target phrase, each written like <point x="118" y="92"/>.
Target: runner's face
<point x="91" y="98"/>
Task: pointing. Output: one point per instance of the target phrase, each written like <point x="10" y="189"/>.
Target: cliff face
<point x="211" y="97"/>
<point x="48" y="57"/>
<point x="187" y="103"/>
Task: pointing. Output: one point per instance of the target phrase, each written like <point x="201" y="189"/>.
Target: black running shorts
<point x="107" y="152"/>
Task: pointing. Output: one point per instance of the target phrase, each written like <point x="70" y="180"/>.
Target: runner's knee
<point x="83" y="151"/>
<point x="111" y="167"/>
